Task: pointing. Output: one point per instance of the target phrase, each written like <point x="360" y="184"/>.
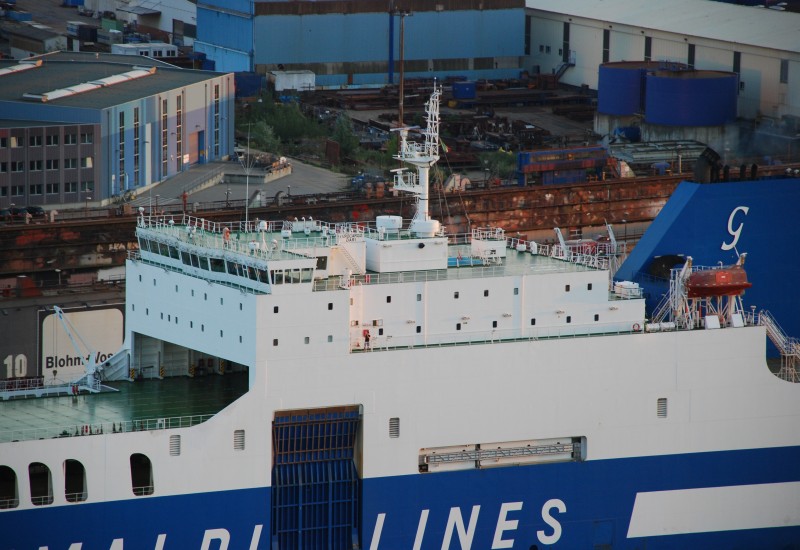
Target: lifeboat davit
<point x="725" y="281"/>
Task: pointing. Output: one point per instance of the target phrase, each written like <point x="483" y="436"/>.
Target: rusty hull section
<point x="98" y="243"/>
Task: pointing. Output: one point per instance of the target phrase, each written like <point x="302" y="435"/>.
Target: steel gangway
<point x="788" y="347"/>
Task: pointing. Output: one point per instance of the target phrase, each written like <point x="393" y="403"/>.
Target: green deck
<point x="184" y="401"/>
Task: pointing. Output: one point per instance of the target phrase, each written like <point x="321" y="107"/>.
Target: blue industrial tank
<point x="619" y="88"/>
<point x="464" y="90"/>
<point x="691" y="98"/>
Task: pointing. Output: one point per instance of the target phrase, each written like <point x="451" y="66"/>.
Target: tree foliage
<point x="343" y="134"/>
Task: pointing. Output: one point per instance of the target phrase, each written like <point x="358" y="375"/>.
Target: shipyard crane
<point x="92" y="382"/>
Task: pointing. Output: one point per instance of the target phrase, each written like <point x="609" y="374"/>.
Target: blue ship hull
<point x="565" y="505"/>
<point x="712" y="222"/>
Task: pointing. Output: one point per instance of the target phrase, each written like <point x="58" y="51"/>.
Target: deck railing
<point x="100" y="428"/>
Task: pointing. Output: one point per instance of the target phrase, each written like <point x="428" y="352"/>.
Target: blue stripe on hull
<point x="598" y="499"/>
<point x="184" y="519"/>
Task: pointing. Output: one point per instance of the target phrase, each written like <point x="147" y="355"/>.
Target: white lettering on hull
<point x="221" y="535"/>
<point x="735" y="233"/>
<point x="465" y="533"/>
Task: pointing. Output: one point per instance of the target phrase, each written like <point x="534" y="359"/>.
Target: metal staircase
<point x="352" y="263"/>
<point x="788" y="347"/>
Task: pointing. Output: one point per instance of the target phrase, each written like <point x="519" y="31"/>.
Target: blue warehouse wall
<point x="226" y="36"/>
<point x="449" y="37"/>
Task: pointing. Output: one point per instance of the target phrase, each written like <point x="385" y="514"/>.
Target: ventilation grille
<point x="661" y="407"/>
<point x="174" y="445"/>
<point x="394" y="427"/>
<point x="238" y="440"/>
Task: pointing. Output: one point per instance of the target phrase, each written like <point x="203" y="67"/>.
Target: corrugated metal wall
<point x="354" y="48"/>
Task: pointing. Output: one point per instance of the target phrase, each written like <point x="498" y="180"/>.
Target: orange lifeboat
<point x="725" y="281"/>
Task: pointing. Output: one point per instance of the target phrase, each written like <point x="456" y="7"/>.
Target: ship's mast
<point x="422" y="156"/>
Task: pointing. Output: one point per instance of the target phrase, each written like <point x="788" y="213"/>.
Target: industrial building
<point x="173" y="21"/>
<point x="359" y="42"/>
<point x="759" y="46"/>
<point x="76" y="127"/>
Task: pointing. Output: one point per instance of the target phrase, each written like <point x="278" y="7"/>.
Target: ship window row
<point x="457" y="294"/>
<point x="169" y="319"/>
<point x="215" y="265"/>
<point x="41" y="484"/>
<point x="75" y="486"/>
<point x="291" y="276"/>
<point x="567" y="288"/>
<point x="306" y="339"/>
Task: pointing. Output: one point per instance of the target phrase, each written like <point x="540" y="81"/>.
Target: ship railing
<point x="76" y="497"/>
<point x="482" y="337"/>
<point x="7" y="503"/>
<point x="100" y="428"/>
<point x="472" y="272"/>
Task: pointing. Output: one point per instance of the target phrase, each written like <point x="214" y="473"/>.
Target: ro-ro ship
<point x="404" y="388"/>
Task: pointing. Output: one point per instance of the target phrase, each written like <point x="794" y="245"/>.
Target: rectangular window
<point x="36" y="189"/>
<point x="87" y="186"/>
<point x="648" y="48"/>
<point x="87" y="138"/>
<point x="784" y="71"/>
<point x="70" y="187"/>
<point x="164" y="136"/>
<point x="121" y="145"/>
<point x="87" y="162"/>
<point x="17" y="190"/>
<point x="35" y="166"/>
<point x="51" y="188"/>
<point x="51" y="140"/>
<point x="3" y="142"/>
<point x="527" y="35"/>
<point x="737" y="62"/>
<point x="70" y="164"/>
<point x="14" y="141"/>
<point x="136" y="147"/>
<point x="35" y="141"/>
<point x="690" y="57"/>
<point x="3" y="167"/>
<point x="52" y="164"/>
<point x="216" y="120"/>
<point x="179" y="131"/>
<point x="565" y="54"/>
<point x="70" y="139"/>
<point x="606" y="45"/>
<point x="17" y="166"/>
